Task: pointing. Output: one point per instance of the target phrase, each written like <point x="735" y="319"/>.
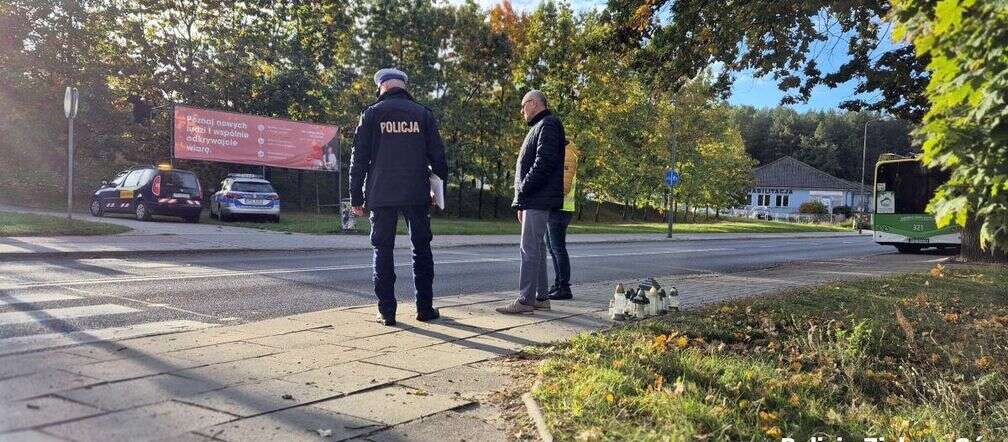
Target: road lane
<point x="232" y="288"/>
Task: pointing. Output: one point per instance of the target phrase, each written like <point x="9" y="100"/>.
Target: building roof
<point x="789" y="172"/>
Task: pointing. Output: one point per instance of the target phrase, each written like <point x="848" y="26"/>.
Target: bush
<point x="813" y="208"/>
<point x="843" y="210"/>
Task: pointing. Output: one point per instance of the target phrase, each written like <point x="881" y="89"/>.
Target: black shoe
<point x="563" y="293"/>
<point x="428" y="315"/>
<point x="387" y="320"/>
<point x="553" y="290"/>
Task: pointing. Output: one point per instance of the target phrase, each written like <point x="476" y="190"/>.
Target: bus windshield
<point x="911" y="184"/>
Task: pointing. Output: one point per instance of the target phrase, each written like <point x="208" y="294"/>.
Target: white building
<point x="783" y="185"/>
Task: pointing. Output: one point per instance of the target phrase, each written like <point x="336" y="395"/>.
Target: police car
<point x="150" y="190"/>
<point x="245" y="194"/>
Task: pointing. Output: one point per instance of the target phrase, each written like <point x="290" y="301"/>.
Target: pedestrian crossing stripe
<point x="22" y="344"/>
<point x="21" y="317"/>
<point x="32" y="298"/>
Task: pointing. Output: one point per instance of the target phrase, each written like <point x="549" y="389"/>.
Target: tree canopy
<point x="966" y="129"/>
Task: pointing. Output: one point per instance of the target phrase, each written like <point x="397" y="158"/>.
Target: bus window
<point x="911" y="184"/>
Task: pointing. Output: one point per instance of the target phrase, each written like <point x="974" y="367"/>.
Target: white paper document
<point x="437" y="190"/>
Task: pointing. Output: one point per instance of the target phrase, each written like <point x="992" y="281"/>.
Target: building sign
<point x="772" y="191"/>
<point x="209" y="135"/>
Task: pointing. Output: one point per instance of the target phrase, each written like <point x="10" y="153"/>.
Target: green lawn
<point x="328" y="224"/>
<point x="26" y="224"/>
<point x="919" y="355"/>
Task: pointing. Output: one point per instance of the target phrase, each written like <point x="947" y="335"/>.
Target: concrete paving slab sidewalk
<point x="418" y="381"/>
<point x="172" y="238"/>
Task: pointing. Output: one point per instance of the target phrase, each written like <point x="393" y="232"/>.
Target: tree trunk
<point x="479" y="205"/>
<point x="497" y="192"/>
<point x="461" y="184"/>
<point x="624" y="210"/>
<point x="598" y="207"/>
<point x="300" y="187"/>
<point x="971" y="249"/>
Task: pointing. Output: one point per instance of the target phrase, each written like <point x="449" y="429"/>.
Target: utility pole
<point x="70" y="99"/>
<point x="864" y="159"/>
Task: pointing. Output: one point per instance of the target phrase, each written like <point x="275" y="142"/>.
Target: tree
<point x="45" y="47"/>
<point x="679" y="38"/>
<point x="965" y="131"/>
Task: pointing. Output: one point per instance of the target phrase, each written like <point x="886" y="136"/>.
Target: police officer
<point x="396" y="148"/>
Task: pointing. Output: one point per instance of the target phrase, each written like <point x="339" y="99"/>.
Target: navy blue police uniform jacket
<point x="396" y="148"/>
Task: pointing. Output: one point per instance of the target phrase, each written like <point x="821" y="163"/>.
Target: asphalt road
<point x="53" y="297"/>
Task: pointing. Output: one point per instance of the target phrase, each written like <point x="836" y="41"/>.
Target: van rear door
<point x="181" y="185"/>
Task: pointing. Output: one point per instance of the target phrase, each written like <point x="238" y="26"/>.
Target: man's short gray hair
<point x="536" y="94"/>
<point x="395" y="82"/>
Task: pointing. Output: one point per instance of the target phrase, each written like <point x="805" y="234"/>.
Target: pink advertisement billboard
<point x="209" y="135"/>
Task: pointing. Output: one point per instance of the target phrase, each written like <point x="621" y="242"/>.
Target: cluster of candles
<point x="648" y="299"/>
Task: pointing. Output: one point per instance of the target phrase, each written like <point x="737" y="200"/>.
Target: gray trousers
<point x="532" y="275"/>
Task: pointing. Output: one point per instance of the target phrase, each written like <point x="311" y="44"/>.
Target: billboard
<point x="210" y="135"/>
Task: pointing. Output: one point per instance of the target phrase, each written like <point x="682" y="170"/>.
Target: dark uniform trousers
<point x="383" y="232"/>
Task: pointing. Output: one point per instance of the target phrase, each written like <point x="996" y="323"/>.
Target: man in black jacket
<point x="396" y="148"/>
<point x="538" y="190"/>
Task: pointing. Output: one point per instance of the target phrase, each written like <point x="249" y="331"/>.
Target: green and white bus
<point x="903" y="188"/>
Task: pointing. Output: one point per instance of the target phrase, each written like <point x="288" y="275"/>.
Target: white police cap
<point x="387" y="74"/>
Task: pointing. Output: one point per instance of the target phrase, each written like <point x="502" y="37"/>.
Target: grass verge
<point x="329" y="224"/>
<point x="27" y="224"/>
<point x="923" y="356"/>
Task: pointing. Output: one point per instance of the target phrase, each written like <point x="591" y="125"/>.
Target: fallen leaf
<point x="768" y="418"/>
<point x="985" y="362"/>
<point x="590" y="435"/>
<point x="658" y="345"/>
<point x="938" y="271"/>
<point x="681" y="342"/>
<point x="324" y="432"/>
<point x="288" y="397"/>
<point x="774" y="433"/>
<point x="680" y="388"/>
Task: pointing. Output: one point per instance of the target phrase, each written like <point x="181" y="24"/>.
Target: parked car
<point x="245" y="194"/>
<point x="145" y="191"/>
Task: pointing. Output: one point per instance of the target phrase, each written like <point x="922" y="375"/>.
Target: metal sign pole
<point x="70" y="99"/>
<point x="668" y="202"/>
<point x="70" y="156"/>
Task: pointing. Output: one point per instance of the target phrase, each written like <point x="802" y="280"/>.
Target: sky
<point x="747" y="89"/>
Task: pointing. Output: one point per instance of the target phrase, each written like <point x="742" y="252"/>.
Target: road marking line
<point x="315" y="269"/>
<point x="63" y="313"/>
<point x="31" y="298"/>
<point x="148" y="304"/>
<point x="49" y="340"/>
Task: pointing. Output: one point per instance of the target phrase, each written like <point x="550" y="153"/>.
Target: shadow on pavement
<point x="161" y="366"/>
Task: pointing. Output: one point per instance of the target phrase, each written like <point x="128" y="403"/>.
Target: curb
<point x="534" y="412"/>
<point x="94" y="254"/>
